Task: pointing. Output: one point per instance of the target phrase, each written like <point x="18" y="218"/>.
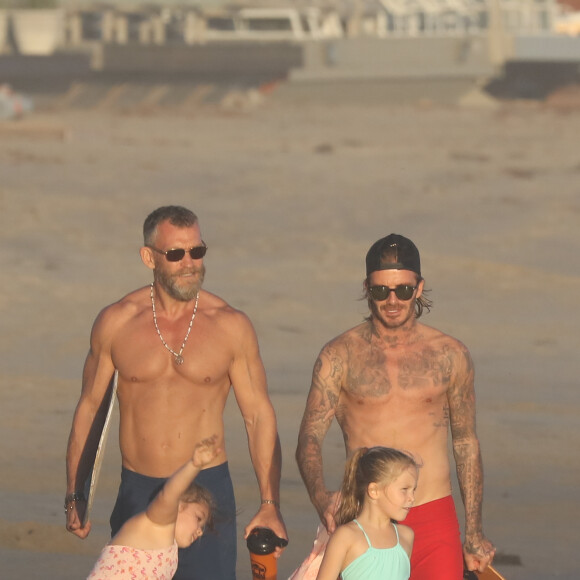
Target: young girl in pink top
<point x="145" y="548"/>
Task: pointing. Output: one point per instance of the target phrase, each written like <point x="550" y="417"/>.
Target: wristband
<point x="72" y="498"/>
<point x="271" y="501"/>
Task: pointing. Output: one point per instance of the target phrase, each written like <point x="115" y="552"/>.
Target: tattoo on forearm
<point x="470" y="477"/>
<point x="320" y="411"/>
<point x="461" y="399"/>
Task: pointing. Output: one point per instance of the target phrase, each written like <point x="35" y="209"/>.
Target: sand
<point x="290" y="196"/>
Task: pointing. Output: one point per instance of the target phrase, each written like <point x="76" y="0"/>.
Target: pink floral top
<point x="124" y="562"/>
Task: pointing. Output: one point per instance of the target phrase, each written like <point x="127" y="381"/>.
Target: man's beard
<point x="384" y="321"/>
<point x="169" y="283"/>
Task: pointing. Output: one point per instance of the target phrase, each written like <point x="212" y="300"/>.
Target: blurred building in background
<point x="301" y="41"/>
<point x="71" y="23"/>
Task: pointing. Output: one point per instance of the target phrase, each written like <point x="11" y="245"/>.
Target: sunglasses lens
<point x="198" y="252"/>
<point x="175" y="255"/>
<point x="379" y="293"/>
<point x="179" y="253"/>
<point x="404" y="292"/>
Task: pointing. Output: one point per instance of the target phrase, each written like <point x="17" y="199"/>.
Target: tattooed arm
<point x="318" y="415"/>
<point x="477" y="549"/>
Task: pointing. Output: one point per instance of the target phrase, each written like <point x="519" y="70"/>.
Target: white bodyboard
<point x="100" y="451"/>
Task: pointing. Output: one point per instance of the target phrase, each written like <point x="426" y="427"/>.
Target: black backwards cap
<point x="394" y="252"/>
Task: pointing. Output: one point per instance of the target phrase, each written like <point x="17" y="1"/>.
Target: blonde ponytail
<point x="351" y="501"/>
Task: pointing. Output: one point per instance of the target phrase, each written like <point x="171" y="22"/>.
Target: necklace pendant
<point x="178" y="360"/>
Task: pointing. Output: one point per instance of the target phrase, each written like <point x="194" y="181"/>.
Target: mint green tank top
<point x="379" y="564"/>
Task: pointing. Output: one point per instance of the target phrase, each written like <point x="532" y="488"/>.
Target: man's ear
<point x="420" y="285"/>
<point x="147" y="257"/>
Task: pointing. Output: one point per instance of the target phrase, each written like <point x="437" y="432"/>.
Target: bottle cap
<point x="264" y="541"/>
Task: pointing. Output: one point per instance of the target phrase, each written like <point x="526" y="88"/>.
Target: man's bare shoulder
<point x="124" y="309"/>
<point x="439" y="339"/>
<point x="222" y="313"/>
<point x="359" y="334"/>
<point x="117" y="317"/>
<point x="435" y="343"/>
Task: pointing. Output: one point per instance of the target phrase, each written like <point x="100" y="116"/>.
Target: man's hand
<point x="75" y="512"/>
<point x="478" y="552"/>
<point x="269" y="516"/>
<point x="326" y="508"/>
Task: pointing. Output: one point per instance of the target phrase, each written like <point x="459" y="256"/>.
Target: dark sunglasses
<point x="402" y="292"/>
<point x="177" y="254"/>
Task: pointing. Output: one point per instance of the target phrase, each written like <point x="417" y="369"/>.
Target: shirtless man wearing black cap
<point x="395" y="382"/>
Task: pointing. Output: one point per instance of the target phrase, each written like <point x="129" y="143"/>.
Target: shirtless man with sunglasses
<point x="178" y="350"/>
<point x="395" y="382"/>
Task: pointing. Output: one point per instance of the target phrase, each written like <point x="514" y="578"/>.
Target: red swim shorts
<point x="437" y="552"/>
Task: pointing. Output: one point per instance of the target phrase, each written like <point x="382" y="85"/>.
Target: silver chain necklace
<point x="177" y="355"/>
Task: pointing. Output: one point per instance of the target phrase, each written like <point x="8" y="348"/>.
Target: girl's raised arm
<point x="163" y="509"/>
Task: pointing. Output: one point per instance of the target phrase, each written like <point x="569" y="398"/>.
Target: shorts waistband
<point x="130" y="475"/>
<point x="436" y="509"/>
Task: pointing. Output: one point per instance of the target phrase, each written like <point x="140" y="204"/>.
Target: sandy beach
<point x="290" y="196"/>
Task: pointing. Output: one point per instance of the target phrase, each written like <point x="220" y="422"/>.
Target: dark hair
<point x="196" y="493"/>
<point x="177" y="215"/>
<point x="365" y="466"/>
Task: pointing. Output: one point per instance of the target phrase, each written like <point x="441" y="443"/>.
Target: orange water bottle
<point x="262" y="543"/>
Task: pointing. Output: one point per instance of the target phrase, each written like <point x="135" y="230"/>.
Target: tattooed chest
<point x="366" y="381"/>
<point x="378" y="375"/>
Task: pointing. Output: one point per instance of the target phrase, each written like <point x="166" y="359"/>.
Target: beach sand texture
<point x="290" y="197"/>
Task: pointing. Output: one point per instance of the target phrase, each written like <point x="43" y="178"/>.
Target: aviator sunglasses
<point x="177" y="254"/>
<point x="402" y="292"/>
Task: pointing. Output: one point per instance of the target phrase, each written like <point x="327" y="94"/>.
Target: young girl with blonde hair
<point x="378" y="490"/>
